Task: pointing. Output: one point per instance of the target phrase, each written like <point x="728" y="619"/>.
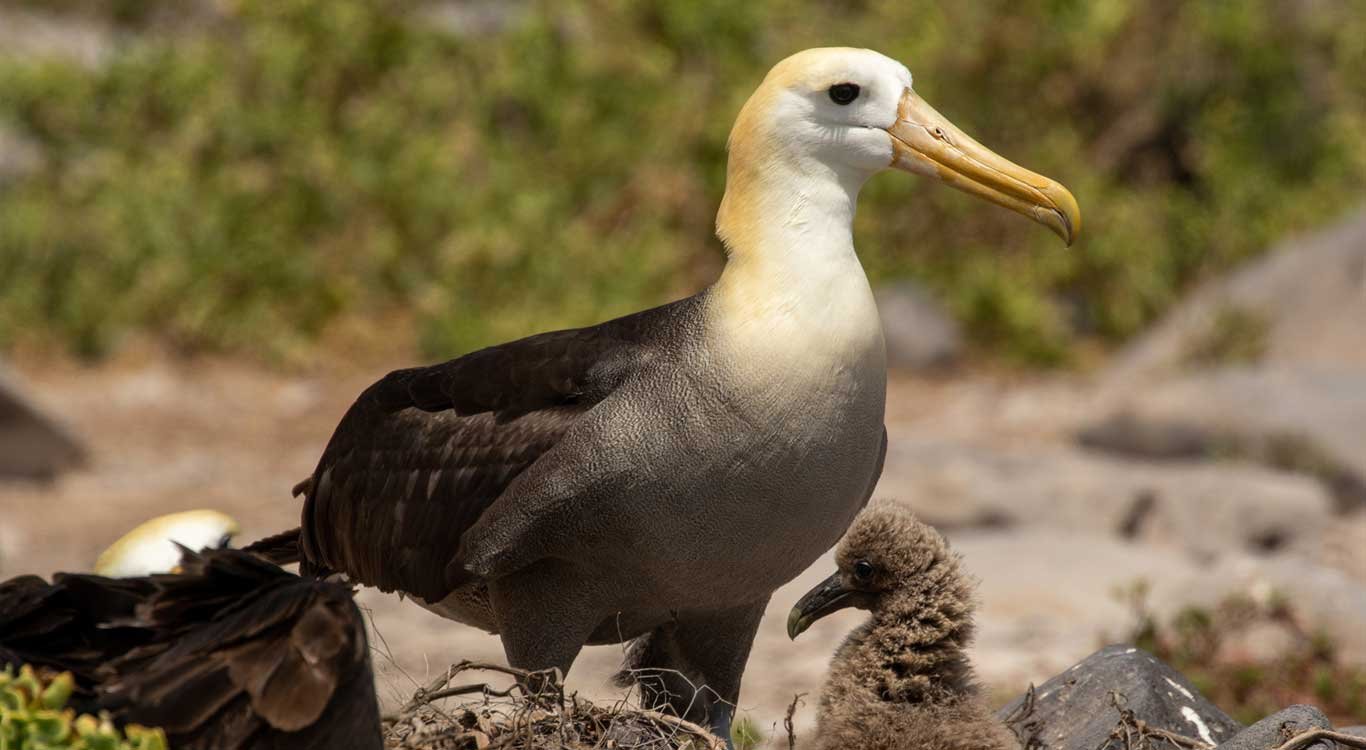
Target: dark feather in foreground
<point x="75" y="625"/>
<point x="233" y="653"/>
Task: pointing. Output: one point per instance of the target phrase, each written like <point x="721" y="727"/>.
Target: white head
<point x="825" y="120"/>
<point x="151" y="547"/>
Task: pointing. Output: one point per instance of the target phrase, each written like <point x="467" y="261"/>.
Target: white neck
<point x="792" y="266"/>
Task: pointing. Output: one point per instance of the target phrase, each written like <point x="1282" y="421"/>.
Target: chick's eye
<point x="863" y="570"/>
<point x="843" y="93"/>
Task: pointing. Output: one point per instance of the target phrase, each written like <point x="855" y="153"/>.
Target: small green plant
<point x="34" y="716"/>
<point x="1209" y="645"/>
<point x="746" y="734"/>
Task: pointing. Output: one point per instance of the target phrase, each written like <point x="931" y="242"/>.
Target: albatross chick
<point x="901" y="680"/>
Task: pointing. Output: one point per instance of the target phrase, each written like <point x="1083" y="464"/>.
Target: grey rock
<point x="1207" y="509"/>
<point x="1356" y="730"/>
<point x="32" y="445"/>
<point x="1266" y="364"/>
<point x="1292" y="418"/>
<point x="1309" y="294"/>
<point x="1076" y="710"/>
<point x="920" y="334"/>
<point x="1275" y="729"/>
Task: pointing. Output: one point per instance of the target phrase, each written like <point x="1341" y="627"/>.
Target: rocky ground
<point x="1202" y="475"/>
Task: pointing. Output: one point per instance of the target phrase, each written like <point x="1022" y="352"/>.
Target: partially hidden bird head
<point x="894" y="565"/>
<point x="847" y="114"/>
<point x="151" y="547"/>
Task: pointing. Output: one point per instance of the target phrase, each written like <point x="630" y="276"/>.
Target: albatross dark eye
<point x="843" y="93"/>
<point x="863" y="571"/>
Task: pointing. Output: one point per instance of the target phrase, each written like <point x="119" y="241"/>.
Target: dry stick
<point x="1128" y="721"/>
<point x="1180" y="740"/>
<point x="1018" y="721"/>
<point x="433" y="690"/>
<point x="473" y="687"/>
<point x="787" y="721"/>
<point x="714" y="742"/>
<point x="696" y="691"/>
<point x="1313" y="735"/>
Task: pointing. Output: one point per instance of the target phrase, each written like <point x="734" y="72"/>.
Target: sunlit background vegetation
<point x="249" y="175"/>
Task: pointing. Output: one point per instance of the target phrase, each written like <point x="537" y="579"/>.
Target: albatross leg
<point x="544" y="617"/>
<point x="692" y="666"/>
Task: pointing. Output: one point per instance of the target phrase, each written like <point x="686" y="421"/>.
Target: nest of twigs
<point x="535" y="712"/>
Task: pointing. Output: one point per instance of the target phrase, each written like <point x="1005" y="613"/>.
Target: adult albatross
<point x="657" y="476"/>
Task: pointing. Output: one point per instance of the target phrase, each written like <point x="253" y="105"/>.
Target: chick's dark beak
<point x="830" y="595"/>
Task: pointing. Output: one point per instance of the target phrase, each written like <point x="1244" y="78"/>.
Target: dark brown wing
<point x="75" y="624"/>
<point x="248" y="655"/>
<point x="424" y="452"/>
<point x="233" y="653"/>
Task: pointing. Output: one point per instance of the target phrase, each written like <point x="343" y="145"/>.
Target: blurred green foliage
<point x="245" y="182"/>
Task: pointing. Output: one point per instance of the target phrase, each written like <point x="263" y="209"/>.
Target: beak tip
<point x="1063" y="220"/>
<point x="1069" y="214"/>
<point x="795" y="625"/>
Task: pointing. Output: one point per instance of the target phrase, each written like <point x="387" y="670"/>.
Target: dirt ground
<point x="166" y="435"/>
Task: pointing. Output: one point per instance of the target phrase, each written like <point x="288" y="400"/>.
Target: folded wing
<point x="424" y="452"/>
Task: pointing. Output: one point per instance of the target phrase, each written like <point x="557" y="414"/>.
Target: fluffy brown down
<point x="902" y="679"/>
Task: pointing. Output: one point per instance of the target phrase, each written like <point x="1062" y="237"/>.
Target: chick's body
<point x="902" y="680"/>
<point x="855" y="712"/>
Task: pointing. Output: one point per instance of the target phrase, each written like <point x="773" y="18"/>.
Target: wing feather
<point x="425" y="451"/>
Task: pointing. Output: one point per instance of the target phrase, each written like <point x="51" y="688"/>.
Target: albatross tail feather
<point x="280" y="549"/>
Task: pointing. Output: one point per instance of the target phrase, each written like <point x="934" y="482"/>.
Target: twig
<point x="1313" y="735"/>
<point x="1131" y="727"/>
<point x="535" y="712"/>
<point x="434" y="691"/>
<point x="473" y="687"/>
<point x="1026" y="732"/>
<point x="713" y="742"/>
<point x="787" y="721"/>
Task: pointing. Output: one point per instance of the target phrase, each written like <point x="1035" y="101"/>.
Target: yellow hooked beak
<point x="925" y="143"/>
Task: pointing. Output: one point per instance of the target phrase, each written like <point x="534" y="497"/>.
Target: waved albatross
<point x="657" y="476"/>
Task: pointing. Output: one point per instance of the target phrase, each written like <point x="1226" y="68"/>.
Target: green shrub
<point x="247" y="182"/>
<point x="33" y="717"/>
